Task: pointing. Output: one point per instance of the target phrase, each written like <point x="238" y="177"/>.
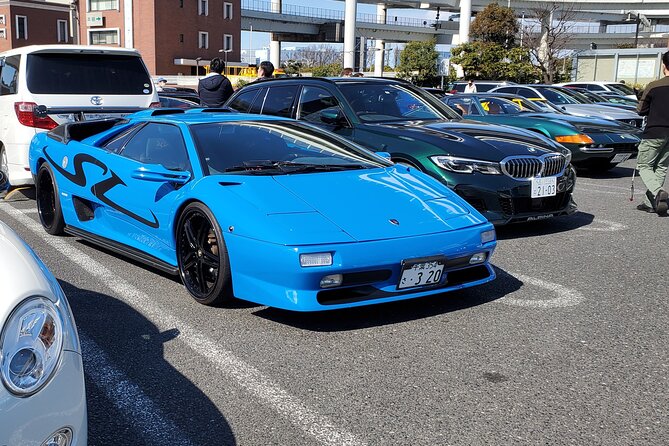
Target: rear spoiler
<point x="78" y="131"/>
<point x="41" y="111"/>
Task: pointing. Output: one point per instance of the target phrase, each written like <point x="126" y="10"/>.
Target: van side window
<point x="10" y="75"/>
<point x="279" y="101"/>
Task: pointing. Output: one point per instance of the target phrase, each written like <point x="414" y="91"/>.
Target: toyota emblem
<point x="96" y="100"/>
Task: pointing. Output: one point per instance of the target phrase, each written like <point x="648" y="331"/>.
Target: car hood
<point x="582" y="122"/>
<point x="347" y="206"/>
<point x="599" y="110"/>
<point x="469" y="139"/>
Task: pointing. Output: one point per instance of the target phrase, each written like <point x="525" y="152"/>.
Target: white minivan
<point x="70" y="83"/>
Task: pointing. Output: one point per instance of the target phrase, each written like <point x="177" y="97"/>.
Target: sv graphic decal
<point x="101" y="188"/>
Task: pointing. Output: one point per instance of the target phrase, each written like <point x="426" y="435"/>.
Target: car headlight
<point x="316" y="259"/>
<point x="31" y="344"/>
<point x="465" y="165"/>
<point x="488" y="236"/>
<point x="567" y="154"/>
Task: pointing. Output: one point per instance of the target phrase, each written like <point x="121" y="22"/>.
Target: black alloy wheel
<point x="203" y="259"/>
<point x="48" y="203"/>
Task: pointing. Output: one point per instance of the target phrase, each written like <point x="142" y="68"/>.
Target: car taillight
<point x="26" y="115"/>
<point x="155" y="105"/>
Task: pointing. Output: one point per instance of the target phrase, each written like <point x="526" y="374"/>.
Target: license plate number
<point x="621" y="157"/>
<point x="544" y="187"/>
<point x="416" y="274"/>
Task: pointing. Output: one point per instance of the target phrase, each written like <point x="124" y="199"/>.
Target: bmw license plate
<point x="544" y="187"/>
<point x="620" y="157"/>
<point x="418" y="273"/>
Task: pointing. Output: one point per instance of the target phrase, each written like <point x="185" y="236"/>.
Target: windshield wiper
<point x="285" y="167"/>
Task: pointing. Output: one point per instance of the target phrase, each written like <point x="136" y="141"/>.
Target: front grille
<point x="524" y="205"/>
<point x="523" y="167"/>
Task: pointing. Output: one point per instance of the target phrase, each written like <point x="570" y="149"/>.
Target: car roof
<point x="71" y="49"/>
<point x="331" y="80"/>
<point x="199" y="116"/>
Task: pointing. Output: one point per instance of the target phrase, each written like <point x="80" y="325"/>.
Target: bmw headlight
<point x="466" y="165"/>
<point x="31" y="344"/>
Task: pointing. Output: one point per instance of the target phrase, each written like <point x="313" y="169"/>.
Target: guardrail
<point x="333" y="14"/>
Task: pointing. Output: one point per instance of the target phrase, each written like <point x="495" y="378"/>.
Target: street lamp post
<point x="226" y="54"/>
<point x="197" y="67"/>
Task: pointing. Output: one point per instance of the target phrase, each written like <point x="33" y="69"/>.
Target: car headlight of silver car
<point x="31" y="344"/>
<point x="466" y="165"/>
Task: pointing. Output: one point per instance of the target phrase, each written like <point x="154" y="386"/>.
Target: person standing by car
<point x="214" y="89"/>
<point x="347" y="72"/>
<point x="653" y="158"/>
<point x="470" y="87"/>
<point x="160" y="84"/>
<point x="266" y="70"/>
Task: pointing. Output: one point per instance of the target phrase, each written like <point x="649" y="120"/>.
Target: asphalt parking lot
<point x="567" y="346"/>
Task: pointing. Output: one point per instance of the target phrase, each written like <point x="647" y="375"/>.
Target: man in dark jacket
<point x="653" y="158"/>
<point x="214" y="89"/>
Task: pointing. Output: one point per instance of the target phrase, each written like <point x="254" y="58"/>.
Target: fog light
<point x="63" y="437"/>
<point x="332" y="280"/>
<point x="477" y="258"/>
<point x="316" y="259"/>
<point x="488" y="236"/>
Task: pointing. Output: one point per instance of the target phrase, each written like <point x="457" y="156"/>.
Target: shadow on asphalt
<point x="134" y="346"/>
<point x="544" y="227"/>
<point x="395" y="312"/>
<point x="616" y="172"/>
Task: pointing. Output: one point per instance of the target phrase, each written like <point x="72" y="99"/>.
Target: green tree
<point x="495" y="24"/>
<point x="418" y="62"/>
<point x="491" y="61"/>
<point x="329" y="70"/>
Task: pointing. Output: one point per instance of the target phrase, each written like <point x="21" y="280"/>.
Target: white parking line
<point x="246" y="376"/>
<point x="605" y="186"/>
<point x="564" y="297"/>
<point x="128" y="397"/>
<point x="609" y="226"/>
<point x="607" y="192"/>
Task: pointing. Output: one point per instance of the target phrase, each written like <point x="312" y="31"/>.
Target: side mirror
<point x="384" y="155"/>
<point x="333" y="116"/>
<point x="158" y="173"/>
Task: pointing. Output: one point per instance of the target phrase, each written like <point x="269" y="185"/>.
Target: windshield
<point x="622" y="88"/>
<point x="376" y="102"/>
<point x="275" y="148"/>
<point x="499" y="106"/>
<point x="556" y="96"/>
<point x="85" y="73"/>
<point x="577" y="96"/>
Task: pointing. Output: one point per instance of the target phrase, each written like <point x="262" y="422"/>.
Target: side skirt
<point x="124" y="250"/>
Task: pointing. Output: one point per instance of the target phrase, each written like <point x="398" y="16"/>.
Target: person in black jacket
<point x="653" y="158"/>
<point x="214" y="89"/>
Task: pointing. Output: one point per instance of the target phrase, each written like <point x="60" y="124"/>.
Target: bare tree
<point x="318" y="55"/>
<point x="550" y="37"/>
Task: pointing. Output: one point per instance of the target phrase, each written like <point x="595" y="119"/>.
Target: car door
<point x="320" y="107"/>
<point x="138" y="198"/>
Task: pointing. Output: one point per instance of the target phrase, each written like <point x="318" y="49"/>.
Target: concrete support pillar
<point x="363" y="53"/>
<point x="380" y="46"/>
<point x="465" y="20"/>
<point x="274" y="43"/>
<point x="350" y="14"/>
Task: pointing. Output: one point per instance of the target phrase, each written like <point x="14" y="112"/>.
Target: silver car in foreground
<point x="42" y="395"/>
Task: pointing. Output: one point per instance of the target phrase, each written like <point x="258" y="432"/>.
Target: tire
<point x="48" y="201"/>
<point x="4" y="170"/>
<point x="204" y="265"/>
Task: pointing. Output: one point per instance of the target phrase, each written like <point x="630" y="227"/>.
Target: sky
<point x="260" y="40"/>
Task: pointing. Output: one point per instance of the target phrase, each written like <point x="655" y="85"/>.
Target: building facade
<point x="173" y="36"/>
<point x="33" y="22"/>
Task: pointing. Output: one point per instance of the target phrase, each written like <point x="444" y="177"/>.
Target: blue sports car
<point x="260" y="208"/>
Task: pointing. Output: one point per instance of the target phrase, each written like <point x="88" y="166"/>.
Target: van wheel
<point x="48" y="201"/>
<point x="4" y="170"/>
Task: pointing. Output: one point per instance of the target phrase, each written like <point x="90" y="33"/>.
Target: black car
<point x="507" y="174"/>
<point x="185" y="93"/>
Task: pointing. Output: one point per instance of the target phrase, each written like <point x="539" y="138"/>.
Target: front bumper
<point x="62" y="403"/>
<point x="503" y="200"/>
<point x="270" y="274"/>
<point x="600" y="152"/>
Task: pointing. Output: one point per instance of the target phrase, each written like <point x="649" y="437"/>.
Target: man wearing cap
<point x="160" y="83"/>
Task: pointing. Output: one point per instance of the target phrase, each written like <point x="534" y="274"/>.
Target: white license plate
<point x="544" y="187"/>
<point x="419" y="273"/>
<point x="621" y="157"/>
